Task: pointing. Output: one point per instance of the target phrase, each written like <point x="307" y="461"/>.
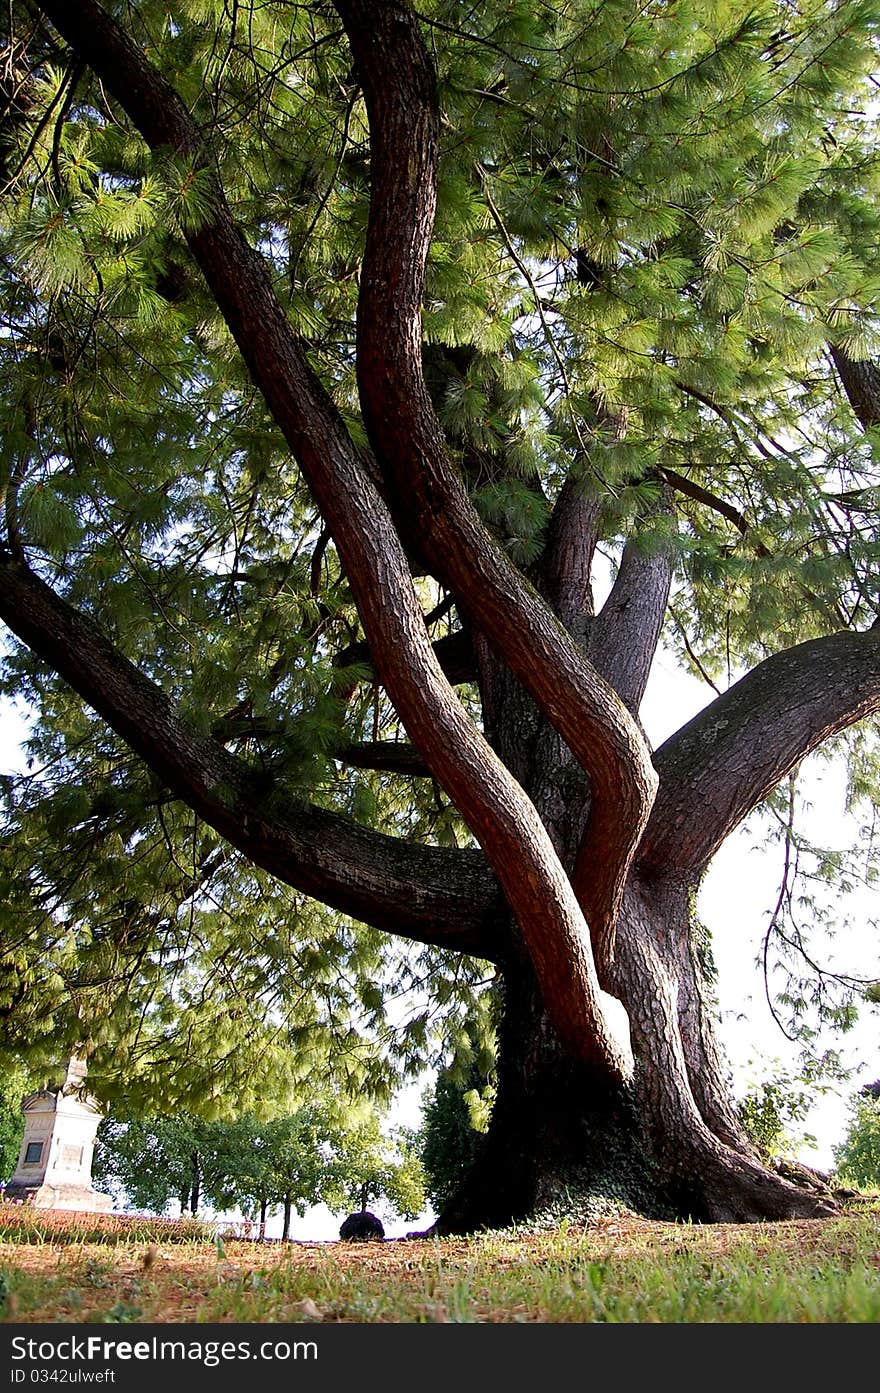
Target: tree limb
<point x="861" y="382"/>
<point x="393" y="756"/>
<point x="454" y="652"/>
<point x="566" y="564"/>
<point x="693" y="490"/>
<point x="721" y="765"/>
<point x="438" y="896"/>
<point x="427" y="496"/>
<point x="494" y="806"/>
<point x="624" y="635"/>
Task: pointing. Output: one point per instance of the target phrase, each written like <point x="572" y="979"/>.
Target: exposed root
<point x="716" y="1184"/>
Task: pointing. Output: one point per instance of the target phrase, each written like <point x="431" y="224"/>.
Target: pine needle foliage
<point x="663" y="212"/>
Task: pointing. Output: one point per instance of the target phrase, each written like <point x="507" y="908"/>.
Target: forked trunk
<point x="558" y="787"/>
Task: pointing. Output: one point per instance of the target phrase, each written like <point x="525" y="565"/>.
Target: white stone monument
<point x="54" y="1168"/>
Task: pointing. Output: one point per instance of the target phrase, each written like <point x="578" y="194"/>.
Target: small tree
<point x="857" y="1159"/>
<point x="319" y="1153"/>
<point x="147" y="1162"/>
<point x="284" y="1164"/>
<point x="771" y="1113"/>
<point x="369" y="1165"/>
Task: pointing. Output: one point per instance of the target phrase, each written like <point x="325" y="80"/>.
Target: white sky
<point x="735" y="902"/>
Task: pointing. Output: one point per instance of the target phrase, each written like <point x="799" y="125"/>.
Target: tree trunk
<point x="288" y="1206"/>
<point x="563" y="1138"/>
<point x="196" y="1191"/>
<point x="560" y="1130"/>
<point x="709" y="1169"/>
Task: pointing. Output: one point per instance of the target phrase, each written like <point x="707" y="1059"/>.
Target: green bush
<point x="857" y="1159"/>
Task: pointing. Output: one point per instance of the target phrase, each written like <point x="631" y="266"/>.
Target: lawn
<point x="618" y="1269"/>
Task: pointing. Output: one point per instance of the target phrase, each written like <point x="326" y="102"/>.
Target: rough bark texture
<point x="560" y="1132"/>
<point x="668" y="1145"/>
<point x="731" y="755"/>
<point x="704" y="1175"/>
<point x="568" y="555"/>
<point x="861" y="382"/>
<point x="580" y="883"/>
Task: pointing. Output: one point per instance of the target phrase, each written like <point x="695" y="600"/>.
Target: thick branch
<point x="861" y="382"/>
<point x="498" y="812"/>
<point x="454" y="653"/>
<point x="624" y="636"/>
<point x="572" y="535"/>
<point x="435" y="896"/>
<point x="392" y="756"/>
<point x="429" y="499"/>
<point x="733" y="754"/>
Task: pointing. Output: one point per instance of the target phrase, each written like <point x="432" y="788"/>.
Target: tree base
<point x="545" y="1167"/>
<point x="718" y="1185"/>
<point x="612" y="1171"/>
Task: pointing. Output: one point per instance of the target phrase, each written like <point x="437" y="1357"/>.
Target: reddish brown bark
<point x="499" y="814"/>
<point x="400" y="94"/>
<point x="558" y="786"/>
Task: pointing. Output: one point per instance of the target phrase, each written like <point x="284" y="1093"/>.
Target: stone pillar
<point x="54" y="1168"/>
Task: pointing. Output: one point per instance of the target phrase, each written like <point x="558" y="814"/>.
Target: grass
<point x="622" y="1269"/>
<point x="19" y="1223"/>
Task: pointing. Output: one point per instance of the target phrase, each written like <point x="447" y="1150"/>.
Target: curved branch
<point x="498" y="812"/>
<point x="691" y="489"/>
<point x="733" y="754"/>
<point x="429" y="499"/>
<point x="438" y="896"/>
<point x="393" y="756"/>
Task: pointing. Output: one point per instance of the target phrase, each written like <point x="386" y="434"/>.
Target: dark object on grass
<point x="362" y="1227"/>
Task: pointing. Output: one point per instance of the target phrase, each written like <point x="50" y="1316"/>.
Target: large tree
<point x="346" y="349"/>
